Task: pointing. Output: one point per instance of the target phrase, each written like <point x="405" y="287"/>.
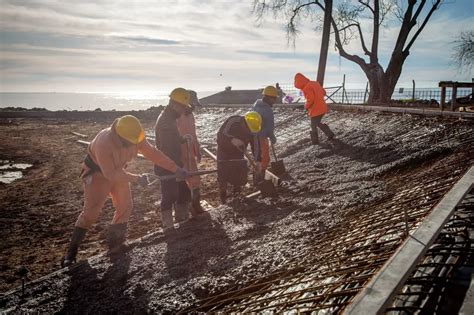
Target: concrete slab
<point x="378" y="294"/>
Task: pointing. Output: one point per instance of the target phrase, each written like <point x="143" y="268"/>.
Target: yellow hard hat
<point x="254" y="121"/>
<point x="270" y="91"/>
<point x="129" y="128"/>
<point x="181" y="96"/>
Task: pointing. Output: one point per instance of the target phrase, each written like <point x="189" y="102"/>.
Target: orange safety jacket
<point x="313" y="92"/>
<point x="109" y="154"/>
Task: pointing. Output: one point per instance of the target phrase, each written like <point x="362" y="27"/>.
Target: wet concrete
<point x="240" y="242"/>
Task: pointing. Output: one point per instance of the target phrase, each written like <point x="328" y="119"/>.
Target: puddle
<point x="10" y="171"/>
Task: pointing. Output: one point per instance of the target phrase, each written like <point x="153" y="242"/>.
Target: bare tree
<point x="347" y="25"/>
<point x="463" y="55"/>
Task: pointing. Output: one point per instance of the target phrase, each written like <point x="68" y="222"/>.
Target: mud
<point x="228" y="246"/>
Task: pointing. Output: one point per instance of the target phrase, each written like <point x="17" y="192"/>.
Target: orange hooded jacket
<point x="314" y="94"/>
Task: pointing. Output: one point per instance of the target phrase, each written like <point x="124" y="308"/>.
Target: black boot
<point x="314" y="137"/>
<point x="196" y="208"/>
<point x="116" y="237"/>
<point x="77" y="237"/>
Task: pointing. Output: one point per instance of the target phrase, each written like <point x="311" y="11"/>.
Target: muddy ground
<point x="228" y="246"/>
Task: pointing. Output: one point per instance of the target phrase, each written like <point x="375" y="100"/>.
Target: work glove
<point x="273" y="139"/>
<point x="237" y="143"/>
<point x="143" y="180"/>
<point x="181" y="174"/>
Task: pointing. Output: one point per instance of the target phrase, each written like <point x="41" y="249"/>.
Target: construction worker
<point x="104" y="174"/>
<point x="232" y="141"/>
<point x="174" y="192"/>
<point x="191" y="152"/>
<point x="315" y="106"/>
<point x="264" y="108"/>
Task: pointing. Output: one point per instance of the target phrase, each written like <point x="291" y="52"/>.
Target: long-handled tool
<point x="190" y="159"/>
<point x="172" y="176"/>
<point x="265" y="186"/>
<point x="278" y="167"/>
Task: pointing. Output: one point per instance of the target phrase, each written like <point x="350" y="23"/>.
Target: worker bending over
<point x="232" y="141"/>
<point x="174" y="192"/>
<point x="315" y="106"/>
<point x="191" y="152"/>
<point x="264" y="108"/>
<point x="104" y="174"/>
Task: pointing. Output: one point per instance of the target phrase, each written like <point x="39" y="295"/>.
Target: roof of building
<point x="232" y="97"/>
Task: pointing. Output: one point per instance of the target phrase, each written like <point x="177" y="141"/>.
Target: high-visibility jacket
<point x="109" y="154"/>
<point x="314" y="94"/>
<point x="187" y="125"/>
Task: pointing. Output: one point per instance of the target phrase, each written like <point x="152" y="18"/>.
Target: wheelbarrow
<point x="278" y="166"/>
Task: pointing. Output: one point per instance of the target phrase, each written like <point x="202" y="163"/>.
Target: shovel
<point x="265" y="186"/>
<point x="277" y="167"/>
<point x="166" y="177"/>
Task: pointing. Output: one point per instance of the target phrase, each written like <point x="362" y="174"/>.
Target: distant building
<point x="229" y="96"/>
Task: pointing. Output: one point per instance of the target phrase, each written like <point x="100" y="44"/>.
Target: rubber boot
<point x="181" y="212"/>
<point x="196" y="208"/>
<point x="223" y="193"/>
<point x="116" y="237"/>
<point x="167" y="220"/>
<point x="314" y="137"/>
<point x="77" y="237"/>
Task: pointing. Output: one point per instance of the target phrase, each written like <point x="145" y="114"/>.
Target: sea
<point x="81" y="101"/>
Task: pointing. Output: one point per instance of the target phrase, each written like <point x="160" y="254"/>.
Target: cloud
<point x="115" y="45"/>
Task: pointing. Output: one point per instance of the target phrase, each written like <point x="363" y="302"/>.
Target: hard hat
<point x="129" y="128"/>
<point x="181" y="96"/>
<point x="270" y="91"/>
<point x="254" y="121"/>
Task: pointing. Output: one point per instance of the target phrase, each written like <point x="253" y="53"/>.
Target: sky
<point x="150" y="47"/>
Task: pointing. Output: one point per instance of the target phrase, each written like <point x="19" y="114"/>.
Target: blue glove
<point x="143" y="180"/>
<point x="273" y="139"/>
<point x="181" y="174"/>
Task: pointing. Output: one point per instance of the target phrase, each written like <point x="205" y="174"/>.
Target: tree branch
<point x="433" y="8"/>
<point x="366" y="4"/>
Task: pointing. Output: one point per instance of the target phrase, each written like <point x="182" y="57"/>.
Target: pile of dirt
<point x="228" y="246"/>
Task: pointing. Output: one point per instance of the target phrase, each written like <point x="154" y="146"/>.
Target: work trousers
<point x="96" y="191"/>
<point x="265" y="151"/>
<point x="172" y="192"/>
<point x="316" y="123"/>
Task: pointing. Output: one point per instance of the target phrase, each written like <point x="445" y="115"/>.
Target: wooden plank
<point x="386" y="284"/>
<point x="458" y="84"/>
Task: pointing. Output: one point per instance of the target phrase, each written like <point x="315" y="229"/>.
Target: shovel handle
<point x="274" y="154"/>
<point x="172" y="176"/>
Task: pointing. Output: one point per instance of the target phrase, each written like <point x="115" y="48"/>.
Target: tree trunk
<point x="323" y="55"/>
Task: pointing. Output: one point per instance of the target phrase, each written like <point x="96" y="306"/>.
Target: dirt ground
<point x="38" y="211"/>
<point x="227" y="246"/>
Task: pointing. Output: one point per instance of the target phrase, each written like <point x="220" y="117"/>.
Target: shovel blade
<point x="278" y="168"/>
<point x="267" y="189"/>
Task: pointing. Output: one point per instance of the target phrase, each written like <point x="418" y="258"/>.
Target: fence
<point x="339" y="94"/>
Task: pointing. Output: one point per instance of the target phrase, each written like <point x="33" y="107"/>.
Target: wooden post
<point x="343" y="88"/>
<point x="454" y="95"/>
<point x="443" y="97"/>
<point x="413" y="92"/>
<point x="366" y="90"/>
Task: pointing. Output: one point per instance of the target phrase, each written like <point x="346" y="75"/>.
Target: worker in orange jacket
<point x="315" y="106"/>
<point x="104" y="174"/>
<point x="187" y="126"/>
